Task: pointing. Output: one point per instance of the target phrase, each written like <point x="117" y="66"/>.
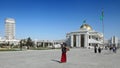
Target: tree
<point x="29" y="42"/>
<point x="22" y="43"/>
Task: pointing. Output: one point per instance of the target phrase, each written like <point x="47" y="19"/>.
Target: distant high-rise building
<point x="9" y="28"/>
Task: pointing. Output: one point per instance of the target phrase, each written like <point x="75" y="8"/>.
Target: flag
<point x="84" y="21"/>
<point x="102" y="15"/>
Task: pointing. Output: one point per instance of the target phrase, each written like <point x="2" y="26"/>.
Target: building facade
<point x="49" y="43"/>
<point x="9" y="29"/>
<point x="85" y="37"/>
<point x="114" y="41"/>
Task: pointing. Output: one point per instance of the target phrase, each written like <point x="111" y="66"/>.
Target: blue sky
<point x="52" y="19"/>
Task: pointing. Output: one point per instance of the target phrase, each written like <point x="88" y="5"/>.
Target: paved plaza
<point x="76" y="58"/>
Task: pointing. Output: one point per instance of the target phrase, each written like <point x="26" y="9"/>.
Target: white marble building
<point x="84" y="37"/>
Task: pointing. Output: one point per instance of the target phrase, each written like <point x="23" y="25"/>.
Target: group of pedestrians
<point x="113" y="48"/>
<point x="97" y="49"/>
<point x="64" y="50"/>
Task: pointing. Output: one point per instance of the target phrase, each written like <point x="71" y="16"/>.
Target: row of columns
<point x="48" y="43"/>
<point x="78" y="40"/>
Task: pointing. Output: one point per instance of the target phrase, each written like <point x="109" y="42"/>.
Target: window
<point x="89" y="37"/>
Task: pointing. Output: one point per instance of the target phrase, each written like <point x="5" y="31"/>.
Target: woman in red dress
<point x="64" y="50"/>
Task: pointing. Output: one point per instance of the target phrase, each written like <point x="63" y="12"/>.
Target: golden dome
<point x="86" y="27"/>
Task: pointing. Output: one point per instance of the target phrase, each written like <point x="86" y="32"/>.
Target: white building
<point x="85" y="37"/>
<point x="9" y="32"/>
<point x="9" y="29"/>
<point x="114" y="41"/>
<point x="49" y="43"/>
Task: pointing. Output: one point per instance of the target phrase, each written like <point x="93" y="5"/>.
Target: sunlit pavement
<point x="76" y="58"/>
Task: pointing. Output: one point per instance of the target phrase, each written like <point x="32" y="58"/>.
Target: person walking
<point x="114" y="49"/>
<point x="95" y="49"/>
<point x="64" y="49"/>
<point x="99" y="50"/>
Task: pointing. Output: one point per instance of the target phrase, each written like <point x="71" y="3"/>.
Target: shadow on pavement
<point x="55" y="61"/>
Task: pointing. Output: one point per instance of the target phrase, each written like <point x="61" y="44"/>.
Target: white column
<point x="48" y="44"/>
<point x="53" y="45"/>
<point x="77" y="41"/>
<point x="79" y="37"/>
<point x="43" y="43"/>
<point x="71" y="40"/>
<point x="86" y="40"/>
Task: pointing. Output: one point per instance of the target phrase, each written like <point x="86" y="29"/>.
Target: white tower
<point x="9" y="29"/>
<point x="114" y="40"/>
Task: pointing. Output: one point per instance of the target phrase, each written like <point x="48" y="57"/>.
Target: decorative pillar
<point x="43" y="44"/>
<point x="86" y="40"/>
<point x="79" y="40"/>
<point x="48" y="44"/>
<point x="71" y="40"/>
<point x="53" y="44"/>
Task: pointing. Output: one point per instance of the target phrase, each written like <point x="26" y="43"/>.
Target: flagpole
<point x="103" y="25"/>
<point x="103" y="31"/>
